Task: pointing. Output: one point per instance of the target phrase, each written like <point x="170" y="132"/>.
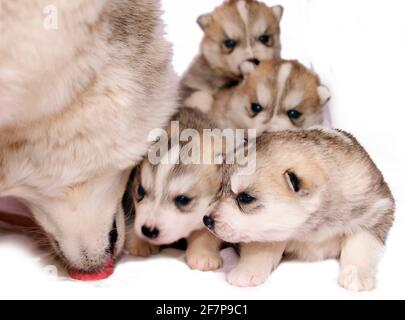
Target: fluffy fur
<point x="315" y="195"/>
<point x="155" y="190"/>
<point x="76" y="105"/>
<point x="265" y="99"/>
<point x="255" y="30"/>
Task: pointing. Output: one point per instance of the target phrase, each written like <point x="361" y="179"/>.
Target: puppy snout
<point x="209" y="222"/>
<point x="255" y="61"/>
<point x="150" y="233"/>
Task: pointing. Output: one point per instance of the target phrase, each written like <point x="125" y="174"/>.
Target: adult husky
<point x="82" y="82"/>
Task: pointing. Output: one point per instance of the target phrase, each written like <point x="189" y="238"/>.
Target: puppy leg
<point x="361" y="253"/>
<point x="203" y="251"/>
<point x="257" y="261"/>
<point x="138" y="247"/>
<point x="200" y="100"/>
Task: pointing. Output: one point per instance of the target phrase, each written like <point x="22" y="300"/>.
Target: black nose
<point x="113" y="236"/>
<point x="151" y="233"/>
<point x="209" y="222"/>
<point x="254" y="61"/>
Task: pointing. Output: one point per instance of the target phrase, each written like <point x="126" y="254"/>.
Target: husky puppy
<point x="238" y="35"/>
<point x="278" y="95"/>
<point x="171" y="199"/>
<point x="315" y="195"/>
<point x="82" y="82"/>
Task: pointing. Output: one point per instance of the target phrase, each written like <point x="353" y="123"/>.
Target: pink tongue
<point x="101" y="275"/>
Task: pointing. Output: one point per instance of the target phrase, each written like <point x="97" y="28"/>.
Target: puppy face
<point x="271" y="205"/>
<point x="278" y="95"/>
<point x="240" y="32"/>
<point x="171" y="200"/>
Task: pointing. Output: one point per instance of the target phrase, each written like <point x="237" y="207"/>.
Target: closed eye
<point x="293" y="181"/>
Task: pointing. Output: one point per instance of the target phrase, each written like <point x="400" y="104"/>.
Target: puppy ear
<point x="278" y="12"/>
<point x="324" y="94"/>
<point x="204" y="21"/>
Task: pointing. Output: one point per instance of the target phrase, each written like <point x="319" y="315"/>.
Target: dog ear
<point x="204" y="21"/>
<point x="278" y="12"/>
<point x="324" y="94"/>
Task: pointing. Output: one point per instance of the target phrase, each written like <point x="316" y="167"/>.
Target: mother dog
<point x="77" y="100"/>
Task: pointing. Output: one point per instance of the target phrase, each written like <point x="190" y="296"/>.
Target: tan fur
<point x="216" y="65"/>
<point x="77" y="104"/>
<point x="232" y="107"/>
<point x="343" y="208"/>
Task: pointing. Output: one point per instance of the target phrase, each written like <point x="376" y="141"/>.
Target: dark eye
<point x="256" y="108"/>
<point x="244" y="198"/>
<point x="294" y="114"/>
<point x="230" y="43"/>
<point x="295" y="182"/>
<point x="265" y="38"/>
<point x="141" y="193"/>
<point x="182" y="201"/>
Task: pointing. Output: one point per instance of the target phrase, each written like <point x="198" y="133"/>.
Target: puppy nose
<point x="209" y="222"/>
<point x="255" y="61"/>
<point x="151" y="233"/>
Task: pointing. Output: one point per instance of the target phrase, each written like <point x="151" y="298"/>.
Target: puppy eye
<point x="256" y="108"/>
<point x="230" y="43"/>
<point x="182" y="201"/>
<point x="264" y="38"/>
<point x="294" y="114"/>
<point x="141" y="193"/>
<point x="295" y="183"/>
<point x="244" y="198"/>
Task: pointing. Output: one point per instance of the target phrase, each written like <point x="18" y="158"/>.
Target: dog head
<point x="278" y="95"/>
<point x="171" y="200"/>
<point x="86" y="226"/>
<point x="276" y="201"/>
<point x="240" y="34"/>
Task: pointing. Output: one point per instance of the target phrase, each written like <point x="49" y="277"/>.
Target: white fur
<point x="200" y="100"/>
<point x="324" y="94"/>
<point x="293" y="99"/>
<point x="264" y="94"/>
<point x="279" y="123"/>
<point x="243" y="12"/>
<point x="361" y="254"/>
<point x="282" y="77"/>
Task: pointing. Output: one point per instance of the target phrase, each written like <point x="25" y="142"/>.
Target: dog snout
<point x="150" y="232"/>
<point x="209" y="222"/>
<point x="255" y="61"/>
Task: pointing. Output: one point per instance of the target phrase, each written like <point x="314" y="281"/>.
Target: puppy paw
<point x="139" y="248"/>
<point x="244" y="277"/>
<point x="247" y="68"/>
<point x="204" y="261"/>
<point x="352" y="279"/>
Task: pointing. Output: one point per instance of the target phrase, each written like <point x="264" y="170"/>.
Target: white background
<point x="358" y="48"/>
